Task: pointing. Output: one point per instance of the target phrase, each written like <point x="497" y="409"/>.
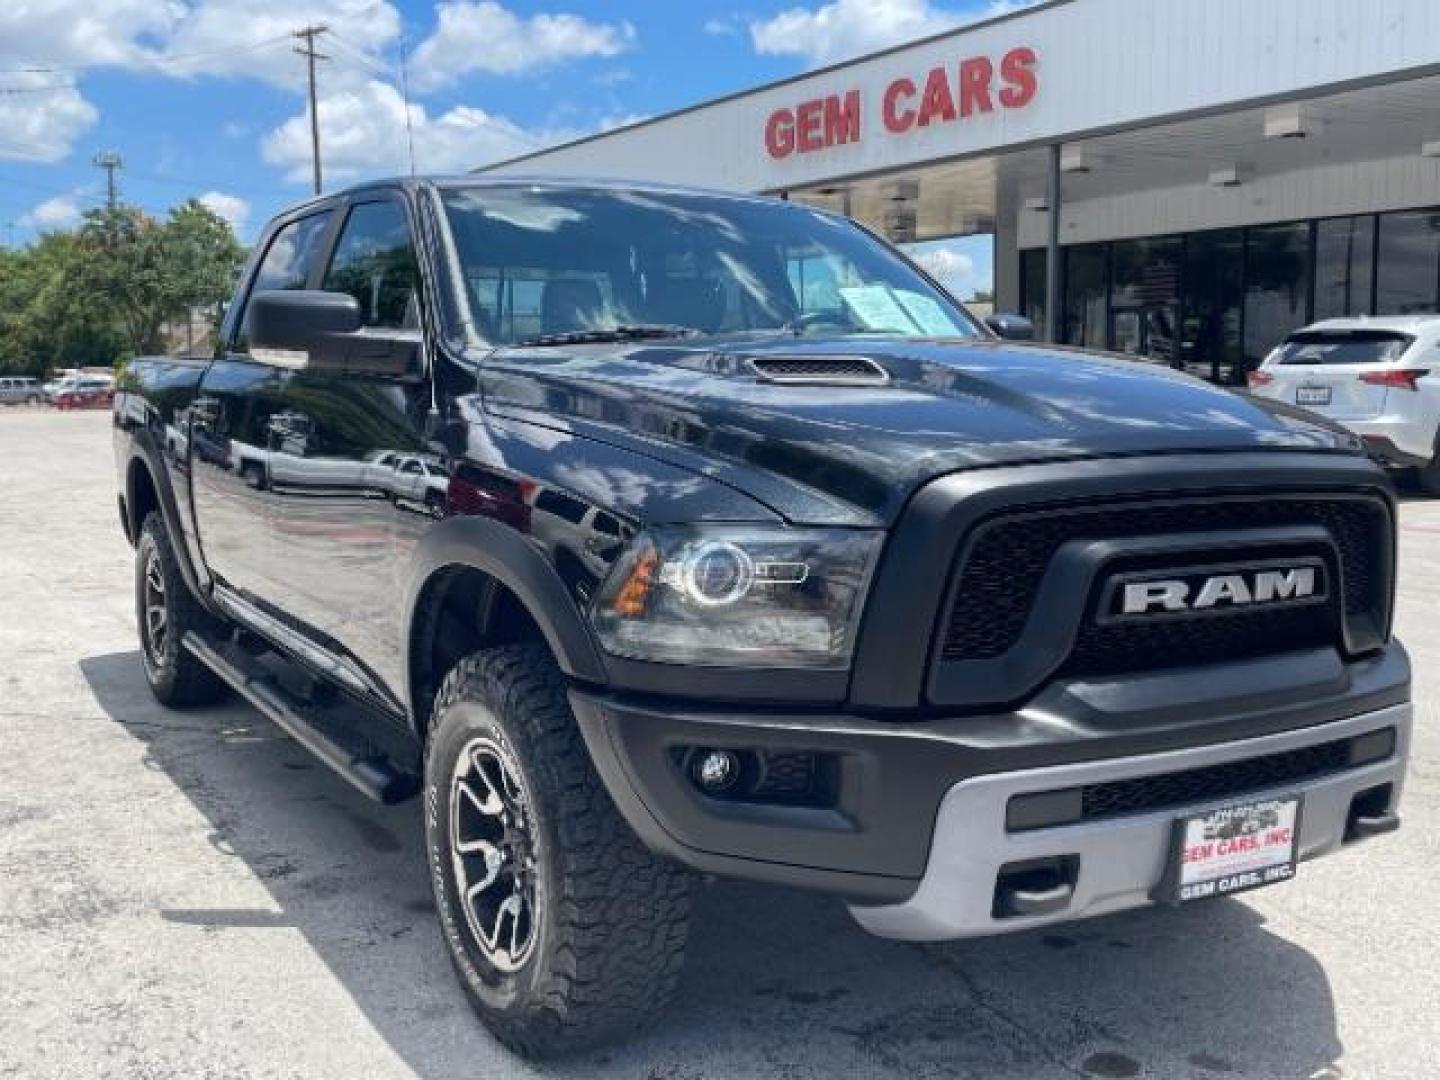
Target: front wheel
<point x="565" y="929"/>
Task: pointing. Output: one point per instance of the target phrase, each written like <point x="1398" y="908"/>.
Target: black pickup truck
<point x="643" y="532"/>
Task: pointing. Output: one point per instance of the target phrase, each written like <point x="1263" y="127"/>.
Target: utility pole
<point x="308" y="35"/>
<point x="110" y="161"/>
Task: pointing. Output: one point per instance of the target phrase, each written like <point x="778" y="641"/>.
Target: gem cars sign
<point x="973" y="87"/>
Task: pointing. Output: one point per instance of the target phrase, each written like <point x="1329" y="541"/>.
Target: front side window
<point x="540" y="261"/>
<point x="288" y="260"/>
<point x="375" y="263"/>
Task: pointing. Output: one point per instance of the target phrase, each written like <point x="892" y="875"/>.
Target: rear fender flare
<point x="146" y="454"/>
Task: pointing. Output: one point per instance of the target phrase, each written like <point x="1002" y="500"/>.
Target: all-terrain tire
<point x="175" y="676"/>
<point x="610" y="916"/>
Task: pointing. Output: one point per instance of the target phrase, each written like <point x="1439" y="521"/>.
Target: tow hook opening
<point x="1035" y="886"/>
<point x="1371" y="815"/>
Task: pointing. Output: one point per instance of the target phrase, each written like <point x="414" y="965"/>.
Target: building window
<point x="1213" y="313"/>
<point x="1032" y="288"/>
<point x="1145" y="297"/>
<point x="1409" y="262"/>
<point x="1277" y="286"/>
<point x="1344" y="266"/>
<point x="1086" y="288"/>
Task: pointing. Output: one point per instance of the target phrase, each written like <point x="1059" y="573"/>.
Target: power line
<point x="308" y="35"/>
<point x="48" y="88"/>
<point x="159" y="60"/>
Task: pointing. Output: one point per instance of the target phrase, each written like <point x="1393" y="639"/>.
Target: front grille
<point x="1007" y="557"/>
<point x="1212" y="782"/>
<point x="1169" y="791"/>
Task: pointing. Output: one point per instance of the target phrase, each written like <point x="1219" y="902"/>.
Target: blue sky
<point x="205" y="97"/>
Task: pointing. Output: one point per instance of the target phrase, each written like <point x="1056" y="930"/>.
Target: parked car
<point x="86" y="392"/>
<point x="19" y="390"/>
<point x="1380" y="378"/>
<point x="828" y="586"/>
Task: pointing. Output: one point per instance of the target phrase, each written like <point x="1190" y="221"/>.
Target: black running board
<point x="372" y="773"/>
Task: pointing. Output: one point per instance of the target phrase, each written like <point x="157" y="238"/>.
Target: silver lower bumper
<point x="1121" y="859"/>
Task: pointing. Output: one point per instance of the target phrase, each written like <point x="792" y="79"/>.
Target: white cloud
<point x="42" y="122"/>
<point x="845" y="28"/>
<point x="232" y="208"/>
<point x="203" y="38"/>
<point x="728" y="26"/>
<point x="81" y="33"/>
<point x="484" y="36"/>
<point x="61" y="212"/>
<point x="252" y="39"/>
<point x="363" y="133"/>
<point x="952" y="268"/>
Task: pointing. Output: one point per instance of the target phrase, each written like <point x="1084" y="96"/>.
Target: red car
<point x="86" y="392"/>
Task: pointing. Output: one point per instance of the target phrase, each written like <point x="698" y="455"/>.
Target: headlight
<point x="740" y="596"/>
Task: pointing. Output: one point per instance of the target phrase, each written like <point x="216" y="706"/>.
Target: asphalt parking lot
<point x="190" y="895"/>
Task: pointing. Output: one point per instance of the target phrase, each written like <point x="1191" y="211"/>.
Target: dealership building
<point x="1191" y="178"/>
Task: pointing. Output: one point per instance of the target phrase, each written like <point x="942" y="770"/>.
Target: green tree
<point x="45" y="322"/>
<point x="148" y="272"/>
<point x="107" y="290"/>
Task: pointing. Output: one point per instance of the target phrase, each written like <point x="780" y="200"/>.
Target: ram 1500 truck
<point x="730" y="543"/>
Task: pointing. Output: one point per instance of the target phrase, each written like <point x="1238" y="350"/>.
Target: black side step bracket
<point x="313" y="727"/>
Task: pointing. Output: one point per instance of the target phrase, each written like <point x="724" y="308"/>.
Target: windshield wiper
<point x="624" y="332"/>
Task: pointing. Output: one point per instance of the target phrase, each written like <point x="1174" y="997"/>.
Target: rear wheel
<point x="166" y="610"/>
<point x="566" y="931"/>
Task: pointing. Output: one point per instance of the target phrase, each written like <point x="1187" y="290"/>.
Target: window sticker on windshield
<point x="876" y="308"/>
<point x="926" y="313"/>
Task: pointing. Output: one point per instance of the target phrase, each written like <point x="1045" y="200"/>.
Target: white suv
<point x="1378" y="377"/>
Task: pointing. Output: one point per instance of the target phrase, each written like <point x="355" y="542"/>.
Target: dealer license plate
<point x="1312" y="395"/>
<point x="1235" y="848"/>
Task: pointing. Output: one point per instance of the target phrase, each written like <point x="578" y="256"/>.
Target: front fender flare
<point x="513" y="561"/>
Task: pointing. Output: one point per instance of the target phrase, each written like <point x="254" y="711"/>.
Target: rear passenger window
<point x="375" y="263"/>
<point x="287" y="262"/>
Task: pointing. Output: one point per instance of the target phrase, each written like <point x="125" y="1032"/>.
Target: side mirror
<point x="323" y="331"/>
<point x="1011" y="327"/>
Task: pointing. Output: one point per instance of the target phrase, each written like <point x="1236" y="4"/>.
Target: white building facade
<point x="1192" y="178"/>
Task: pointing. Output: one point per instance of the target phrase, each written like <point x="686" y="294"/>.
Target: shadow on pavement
<point x="779" y="982"/>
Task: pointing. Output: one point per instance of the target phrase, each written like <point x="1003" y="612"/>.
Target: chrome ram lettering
<point x="1229" y="590"/>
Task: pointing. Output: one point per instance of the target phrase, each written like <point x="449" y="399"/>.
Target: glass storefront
<point x="1216" y="302"/>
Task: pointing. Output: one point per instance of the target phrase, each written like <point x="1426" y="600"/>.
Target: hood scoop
<point x="819" y="370"/>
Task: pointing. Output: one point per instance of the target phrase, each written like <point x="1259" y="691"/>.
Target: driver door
<point x="343" y="535"/>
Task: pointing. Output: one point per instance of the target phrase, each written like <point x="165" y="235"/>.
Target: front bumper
<point x="1122" y="860"/>
<point x="888" y="838"/>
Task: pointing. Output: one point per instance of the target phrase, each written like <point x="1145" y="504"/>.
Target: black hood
<point x="945" y="406"/>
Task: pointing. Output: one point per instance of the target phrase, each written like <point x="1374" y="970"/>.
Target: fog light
<point x="716" y="771"/>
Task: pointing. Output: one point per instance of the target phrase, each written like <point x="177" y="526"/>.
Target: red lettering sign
<point x="1017" y="70"/>
<point x="898" y="120"/>
<point x="975" y="76"/>
<point x="814" y="125"/>
<point x="842" y="119"/>
<point x="780" y="133"/>
<point x="973" y="88"/>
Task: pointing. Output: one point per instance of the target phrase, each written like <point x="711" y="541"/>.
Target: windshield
<point x="540" y="261"/>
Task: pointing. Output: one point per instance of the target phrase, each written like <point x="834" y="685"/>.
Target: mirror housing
<point x="323" y="331"/>
<point x="1011" y="327"/>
